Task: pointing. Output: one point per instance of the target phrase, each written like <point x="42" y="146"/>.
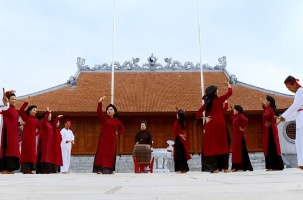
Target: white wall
<point x="287" y="147"/>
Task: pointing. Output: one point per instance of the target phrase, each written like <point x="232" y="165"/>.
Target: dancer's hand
<point x="48" y="110"/>
<point x="101" y="99"/>
<point x="267" y="124"/>
<point x="228" y="84"/>
<point x="183" y="136"/>
<point x="3" y="90"/>
<point x="28" y="99"/>
<point x="4" y="98"/>
<point x="207" y="119"/>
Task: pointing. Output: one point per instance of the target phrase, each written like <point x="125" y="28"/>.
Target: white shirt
<point x="67" y="135"/>
<point x="292" y="112"/>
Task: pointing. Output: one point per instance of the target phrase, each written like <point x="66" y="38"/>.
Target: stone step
<point x="124" y="163"/>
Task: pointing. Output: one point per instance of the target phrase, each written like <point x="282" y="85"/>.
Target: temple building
<point x="151" y="92"/>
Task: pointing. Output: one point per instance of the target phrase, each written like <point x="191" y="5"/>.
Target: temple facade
<point x="151" y="91"/>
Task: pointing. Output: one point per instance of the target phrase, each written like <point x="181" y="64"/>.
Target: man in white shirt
<point x="295" y="112"/>
<point x="66" y="146"/>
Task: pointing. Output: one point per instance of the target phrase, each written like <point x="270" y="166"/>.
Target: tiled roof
<point x="148" y="92"/>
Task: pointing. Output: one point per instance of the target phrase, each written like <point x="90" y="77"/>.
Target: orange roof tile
<point x="148" y="92"/>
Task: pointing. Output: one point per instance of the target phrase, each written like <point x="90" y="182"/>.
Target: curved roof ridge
<point x="263" y="89"/>
<point x="44" y="91"/>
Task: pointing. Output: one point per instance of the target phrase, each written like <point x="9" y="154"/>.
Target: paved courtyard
<point x="286" y="184"/>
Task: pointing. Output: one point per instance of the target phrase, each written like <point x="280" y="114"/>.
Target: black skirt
<point x="9" y="163"/>
<point x="216" y="162"/>
<point x="180" y="156"/>
<point x="273" y="161"/>
<point x="245" y="164"/>
<point x="27" y="167"/>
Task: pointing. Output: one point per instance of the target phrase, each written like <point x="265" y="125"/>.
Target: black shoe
<point x="106" y="170"/>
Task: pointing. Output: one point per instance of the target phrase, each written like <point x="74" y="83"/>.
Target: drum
<point x="142" y="152"/>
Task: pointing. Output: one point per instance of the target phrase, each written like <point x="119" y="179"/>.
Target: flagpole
<point x="200" y="50"/>
<point x="113" y="59"/>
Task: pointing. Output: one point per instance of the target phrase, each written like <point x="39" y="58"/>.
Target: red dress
<point x="269" y="115"/>
<point x="238" y="121"/>
<point x="215" y="140"/>
<point x="11" y="128"/>
<point x="106" y="152"/>
<point x="56" y="144"/>
<point x="177" y="130"/>
<point x="28" y="149"/>
<point x="45" y="140"/>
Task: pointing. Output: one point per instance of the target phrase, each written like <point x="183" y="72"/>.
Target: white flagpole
<point x="200" y="49"/>
<point x="113" y="60"/>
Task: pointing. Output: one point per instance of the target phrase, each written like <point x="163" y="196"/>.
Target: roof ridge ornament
<point x="152" y="65"/>
<point x="72" y="81"/>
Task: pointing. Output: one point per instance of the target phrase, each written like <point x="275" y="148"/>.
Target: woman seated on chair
<point x="143" y="136"/>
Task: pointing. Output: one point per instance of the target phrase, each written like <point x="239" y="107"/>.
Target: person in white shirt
<point x="66" y="146"/>
<point x="295" y="112"/>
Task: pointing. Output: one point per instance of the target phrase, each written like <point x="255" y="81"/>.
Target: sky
<point x="40" y="40"/>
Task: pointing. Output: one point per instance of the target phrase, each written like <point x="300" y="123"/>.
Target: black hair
<point x="30" y="108"/>
<point x="239" y="109"/>
<point x="210" y="94"/>
<point x="290" y="79"/>
<point x="115" y="109"/>
<point x="10" y="95"/>
<point x="143" y="122"/>
<point x="43" y="115"/>
<point x="272" y="104"/>
<point x="182" y="118"/>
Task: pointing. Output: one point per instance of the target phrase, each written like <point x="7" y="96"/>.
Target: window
<point x="290" y="131"/>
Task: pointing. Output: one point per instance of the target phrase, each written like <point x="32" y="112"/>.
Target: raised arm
<point x="56" y="121"/>
<point x="225" y="96"/>
<point x="5" y="107"/>
<point x="45" y="118"/>
<point x="101" y="115"/>
<point x="22" y="111"/>
<point x="225" y="106"/>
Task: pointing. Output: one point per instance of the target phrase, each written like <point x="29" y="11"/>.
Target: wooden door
<point x="87" y="131"/>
